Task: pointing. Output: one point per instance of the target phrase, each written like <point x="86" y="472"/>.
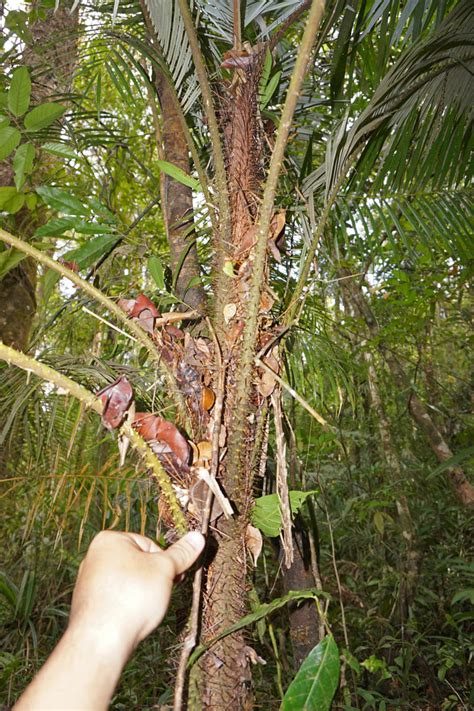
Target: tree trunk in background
<point x="410" y="557"/>
<point x="455" y="474"/>
<point x="305" y="623"/>
<point x="177" y="203"/>
<point x="51" y="58"/>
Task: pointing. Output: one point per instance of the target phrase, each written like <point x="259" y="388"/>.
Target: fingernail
<point x="196" y="540"/>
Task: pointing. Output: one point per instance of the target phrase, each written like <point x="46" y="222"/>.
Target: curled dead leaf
<point x="205" y="450"/>
<point x="254" y="542"/>
<point x="266" y="301"/>
<point x="207" y="399"/>
<point x="141" y="309"/>
<point x="116" y="399"/>
<point x="156" y="429"/>
<point x="198" y="496"/>
<point x="229" y="312"/>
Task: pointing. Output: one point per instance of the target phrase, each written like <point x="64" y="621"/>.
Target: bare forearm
<point x="80" y="675"/>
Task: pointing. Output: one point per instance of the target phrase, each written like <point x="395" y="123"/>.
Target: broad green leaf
<point x="9" y="259"/>
<point x="92" y="250"/>
<point x="20" y="91"/>
<point x="92" y="228"/>
<point x="452" y="461"/>
<point x="4" y="99"/>
<point x="156" y="270"/>
<point x="179" y="175"/>
<point x="62" y="201"/>
<point x="9" y="139"/>
<point x="6" y="194"/>
<point x="4" y="121"/>
<point x="257" y="614"/>
<point x="85" y="255"/>
<point x="23" y="163"/>
<point x="266" y="514"/>
<point x="11" y="200"/>
<point x="43" y="116"/>
<point x="15" y="203"/>
<point x="316" y="682"/>
<point x="59" y="149"/>
<point x="57" y="226"/>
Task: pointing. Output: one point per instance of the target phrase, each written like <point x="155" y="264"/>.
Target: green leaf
<point x="462" y="595"/>
<point x="92" y="250"/>
<point x="270" y="90"/>
<point x="31" y="201"/>
<point x="23" y="163"/>
<point x="85" y="255"/>
<point x="9" y="139"/>
<point x="6" y="194"/>
<point x="20" y="91"/>
<point x="258" y="614"/>
<point x="59" y="149"/>
<point x="62" y="201"/>
<point x="11" y="200"/>
<point x="3" y="99"/>
<point x="452" y="461"/>
<point x="315" y="684"/>
<point x="57" y="227"/>
<point x="179" y="175"/>
<point x="43" y="116"/>
<point x="9" y="259"/>
<point x="4" y="121"/>
<point x="266" y="514"/>
<point x="379" y="522"/>
<point x="156" y="270"/>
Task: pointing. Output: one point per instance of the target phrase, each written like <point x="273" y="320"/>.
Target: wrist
<point x="101" y="640"/>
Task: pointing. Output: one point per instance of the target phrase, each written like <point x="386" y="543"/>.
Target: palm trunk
<point x="177" y="202"/>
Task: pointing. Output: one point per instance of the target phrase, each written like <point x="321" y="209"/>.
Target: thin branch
<point x="319" y="418"/>
<point x="65" y="384"/>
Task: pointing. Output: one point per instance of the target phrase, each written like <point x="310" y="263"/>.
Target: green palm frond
<point x="171" y="34"/>
<point x="431" y="83"/>
<point x="442" y="221"/>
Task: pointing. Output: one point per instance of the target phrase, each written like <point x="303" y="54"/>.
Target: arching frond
<point x="171" y="34"/>
<point x="441" y="221"/>
<point x="430" y="86"/>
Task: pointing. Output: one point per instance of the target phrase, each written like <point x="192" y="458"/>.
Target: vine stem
<point x="99" y="296"/>
<point x="45" y="372"/>
<point x="243" y="375"/>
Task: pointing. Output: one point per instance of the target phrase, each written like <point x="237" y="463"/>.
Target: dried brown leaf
<point x="254" y="542"/>
<point x="116" y="399"/>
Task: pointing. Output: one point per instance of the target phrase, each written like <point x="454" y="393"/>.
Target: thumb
<point x="186" y="551"/>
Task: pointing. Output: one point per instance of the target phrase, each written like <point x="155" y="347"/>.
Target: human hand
<point x="124" y="584"/>
<point x="122" y="592"/>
